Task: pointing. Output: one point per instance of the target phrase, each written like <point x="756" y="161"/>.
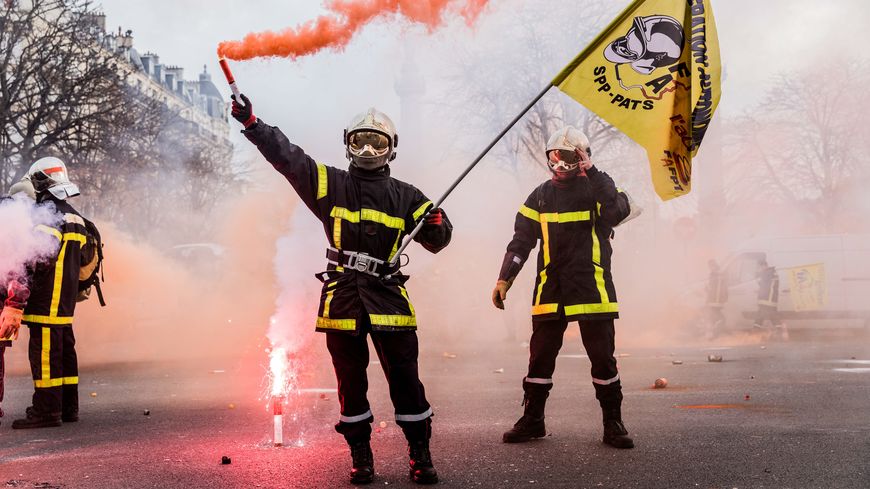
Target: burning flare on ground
<point x="282" y="383"/>
<point x="336" y="30"/>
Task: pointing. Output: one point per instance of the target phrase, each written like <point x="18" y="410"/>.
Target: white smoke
<point x="299" y="255"/>
<point x="20" y="243"/>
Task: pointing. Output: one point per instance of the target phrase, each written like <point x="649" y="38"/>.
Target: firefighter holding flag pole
<point x="365" y="214"/>
<point x="653" y="74"/>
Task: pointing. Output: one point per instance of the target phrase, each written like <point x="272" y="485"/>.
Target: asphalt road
<point x="773" y="415"/>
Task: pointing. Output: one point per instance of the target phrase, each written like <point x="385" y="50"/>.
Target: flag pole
<point x="474" y="163"/>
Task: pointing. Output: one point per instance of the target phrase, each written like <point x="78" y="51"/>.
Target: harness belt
<point x="360" y="262"/>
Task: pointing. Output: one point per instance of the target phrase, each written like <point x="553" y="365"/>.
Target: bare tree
<point x="803" y="145"/>
<point x="56" y="82"/>
<point x="64" y="92"/>
<point x="491" y="84"/>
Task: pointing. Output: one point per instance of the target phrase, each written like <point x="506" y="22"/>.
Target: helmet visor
<point x="368" y="143"/>
<point x="563" y="160"/>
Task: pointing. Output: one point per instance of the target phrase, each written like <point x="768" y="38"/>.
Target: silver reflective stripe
<point x="533" y="380"/>
<point x="518" y="260"/>
<point x="414" y="417"/>
<point x="355" y="419"/>
<point x="605" y="382"/>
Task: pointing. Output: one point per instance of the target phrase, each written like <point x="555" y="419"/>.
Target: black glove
<point x="244" y="113"/>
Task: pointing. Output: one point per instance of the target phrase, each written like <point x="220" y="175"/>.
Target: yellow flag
<point x="654" y="73"/>
<point x="809" y="291"/>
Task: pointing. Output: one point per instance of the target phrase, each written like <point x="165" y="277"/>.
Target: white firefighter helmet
<point x="49" y="175"/>
<point x="23" y="187"/>
<point x="652" y="42"/>
<point x="370" y="140"/>
<point x="563" y="147"/>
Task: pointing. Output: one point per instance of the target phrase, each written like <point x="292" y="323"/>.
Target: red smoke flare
<point x="335" y="31"/>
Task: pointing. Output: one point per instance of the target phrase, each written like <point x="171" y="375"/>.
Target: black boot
<point x="363" y="471"/>
<point x="615" y="433"/>
<point x="422" y="471"/>
<point x="531" y="424"/>
<point x="33" y="419"/>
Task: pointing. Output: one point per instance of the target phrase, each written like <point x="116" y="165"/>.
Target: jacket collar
<point x="382" y="173"/>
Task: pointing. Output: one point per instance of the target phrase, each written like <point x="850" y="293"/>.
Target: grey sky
<point x="314" y="97"/>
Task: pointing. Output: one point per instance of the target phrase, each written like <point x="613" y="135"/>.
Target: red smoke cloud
<point x="335" y="31"/>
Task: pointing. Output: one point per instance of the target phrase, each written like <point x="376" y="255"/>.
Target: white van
<point x="846" y="264"/>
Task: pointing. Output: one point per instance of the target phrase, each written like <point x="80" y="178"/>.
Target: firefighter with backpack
<point x="45" y="299"/>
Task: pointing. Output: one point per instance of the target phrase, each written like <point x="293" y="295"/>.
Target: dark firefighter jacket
<point x="361" y="211"/>
<point x="768" y="287"/>
<point x="54" y="283"/>
<point x="574" y="223"/>
<point x="717" y="289"/>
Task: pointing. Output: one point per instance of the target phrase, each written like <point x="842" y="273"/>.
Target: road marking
<point x="864" y="370"/>
<point x="573" y="356"/>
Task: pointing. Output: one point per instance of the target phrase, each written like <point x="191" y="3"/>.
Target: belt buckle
<point x="363" y="263"/>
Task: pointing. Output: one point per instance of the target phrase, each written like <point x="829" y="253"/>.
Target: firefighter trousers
<point x="397" y="352"/>
<point x="2" y="371"/>
<point x="598" y="339"/>
<point x="54" y="366"/>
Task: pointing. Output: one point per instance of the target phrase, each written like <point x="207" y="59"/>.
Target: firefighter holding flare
<point x="365" y="215"/>
<point x="573" y="216"/>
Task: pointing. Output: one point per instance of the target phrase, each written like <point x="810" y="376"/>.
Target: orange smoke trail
<point x="336" y="31"/>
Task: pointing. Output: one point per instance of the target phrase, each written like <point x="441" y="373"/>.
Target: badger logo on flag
<point x="652" y="42"/>
<point x="654" y="73"/>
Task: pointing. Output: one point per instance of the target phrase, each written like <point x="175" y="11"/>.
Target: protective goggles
<point x="368" y="143"/>
<point x="563" y="160"/>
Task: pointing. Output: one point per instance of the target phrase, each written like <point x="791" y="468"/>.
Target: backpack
<point x="91" y="271"/>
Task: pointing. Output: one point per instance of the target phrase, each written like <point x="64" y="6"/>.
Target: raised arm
<point x="309" y="179"/>
<point x="614" y="205"/>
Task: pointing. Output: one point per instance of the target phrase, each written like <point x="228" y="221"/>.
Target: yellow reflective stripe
<point x="599" y="270"/>
<point x="46" y="354"/>
<point x="545" y="234"/>
<point x="382" y="218"/>
<point x="368" y="215"/>
<point x="326" y="303"/>
<point x="563" y="217"/>
<point x="48" y="383"/>
<point x="530" y="213"/>
<point x="405" y="295"/>
<point x="392" y="320"/>
<point x="598" y="207"/>
<point x="422" y="209"/>
<point x="30" y="318"/>
<point x="341" y="324"/>
<point x="342" y="213"/>
<point x="336" y="232"/>
<point x="544" y="309"/>
<point x="43" y="383"/>
<point x="81" y="238"/>
<point x="591" y="308"/>
<point x="395" y="245"/>
<point x="559" y="217"/>
<point x="49" y="230"/>
<point x="58" y="280"/>
<point x="321" y="181"/>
